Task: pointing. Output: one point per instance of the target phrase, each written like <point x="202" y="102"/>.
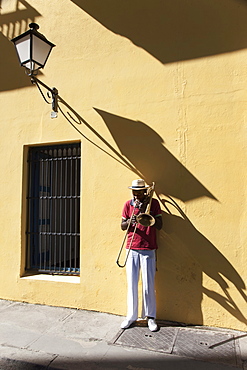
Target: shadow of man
<point x="184" y="256"/>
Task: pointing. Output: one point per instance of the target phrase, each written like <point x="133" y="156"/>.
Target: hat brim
<point x="138" y="187"/>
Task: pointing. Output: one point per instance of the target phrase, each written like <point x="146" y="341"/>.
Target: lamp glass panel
<point x="41" y="50"/>
<point x="32" y="66"/>
<point x="23" y="48"/>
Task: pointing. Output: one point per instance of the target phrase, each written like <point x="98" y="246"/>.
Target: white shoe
<point x="126" y="323"/>
<point x="152" y="325"/>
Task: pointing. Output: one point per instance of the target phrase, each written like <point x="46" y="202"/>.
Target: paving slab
<point x="20" y="356"/>
<point x="9" y="364"/>
<point x="242" y="342"/>
<point x="33" y="316"/>
<point x="14" y="336"/>
<point x="4" y="304"/>
<point x="67" y="347"/>
<point x="87" y="324"/>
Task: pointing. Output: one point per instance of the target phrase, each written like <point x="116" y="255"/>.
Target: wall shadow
<point x="175" y="30"/>
<point x="12" y="24"/>
<point x="145" y="149"/>
<point x="184" y="253"/>
<point x="76" y="120"/>
<point x="183" y="256"/>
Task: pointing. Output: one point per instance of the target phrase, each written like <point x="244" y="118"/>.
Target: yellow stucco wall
<point x="160" y="88"/>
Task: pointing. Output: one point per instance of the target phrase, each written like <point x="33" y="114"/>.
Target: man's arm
<point x="124" y="224"/>
<point x="158" y="222"/>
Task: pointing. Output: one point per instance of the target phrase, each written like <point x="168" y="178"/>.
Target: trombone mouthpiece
<point x="137" y="203"/>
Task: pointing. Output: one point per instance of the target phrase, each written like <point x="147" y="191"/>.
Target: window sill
<point x="54" y="278"/>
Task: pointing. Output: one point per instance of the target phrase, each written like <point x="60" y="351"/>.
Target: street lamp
<point x="33" y="50"/>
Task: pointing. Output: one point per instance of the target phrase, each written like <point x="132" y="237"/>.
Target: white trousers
<point x="144" y="260"/>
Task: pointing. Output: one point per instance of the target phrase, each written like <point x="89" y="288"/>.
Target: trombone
<point x="144" y="219"/>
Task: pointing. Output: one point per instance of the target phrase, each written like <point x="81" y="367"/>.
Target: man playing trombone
<point x="141" y="217"/>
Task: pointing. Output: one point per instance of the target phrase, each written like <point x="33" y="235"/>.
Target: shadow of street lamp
<point x="33" y="50"/>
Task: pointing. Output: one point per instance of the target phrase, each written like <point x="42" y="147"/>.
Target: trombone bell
<point x="145" y="219"/>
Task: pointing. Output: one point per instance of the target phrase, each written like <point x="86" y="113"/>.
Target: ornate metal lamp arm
<point x="52" y="94"/>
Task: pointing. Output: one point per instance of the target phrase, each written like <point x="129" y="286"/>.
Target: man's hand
<point x="125" y="223"/>
<point x="132" y="220"/>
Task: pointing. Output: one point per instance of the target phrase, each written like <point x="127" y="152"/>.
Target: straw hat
<point x="138" y="184"/>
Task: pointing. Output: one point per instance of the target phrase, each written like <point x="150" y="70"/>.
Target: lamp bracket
<point x="52" y="94"/>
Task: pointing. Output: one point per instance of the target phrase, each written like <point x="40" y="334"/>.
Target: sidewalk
<point x="36" y="337"/>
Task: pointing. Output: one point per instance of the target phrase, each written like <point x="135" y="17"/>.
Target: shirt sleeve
<point x="125" y="212"/>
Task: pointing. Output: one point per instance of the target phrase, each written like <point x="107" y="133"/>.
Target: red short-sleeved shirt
<point x="145" y="237"/>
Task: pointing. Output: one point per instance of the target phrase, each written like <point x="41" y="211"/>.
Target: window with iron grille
<point x="53" y="232"/>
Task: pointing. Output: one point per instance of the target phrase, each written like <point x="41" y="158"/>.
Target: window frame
<point x="53" y="209"/>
